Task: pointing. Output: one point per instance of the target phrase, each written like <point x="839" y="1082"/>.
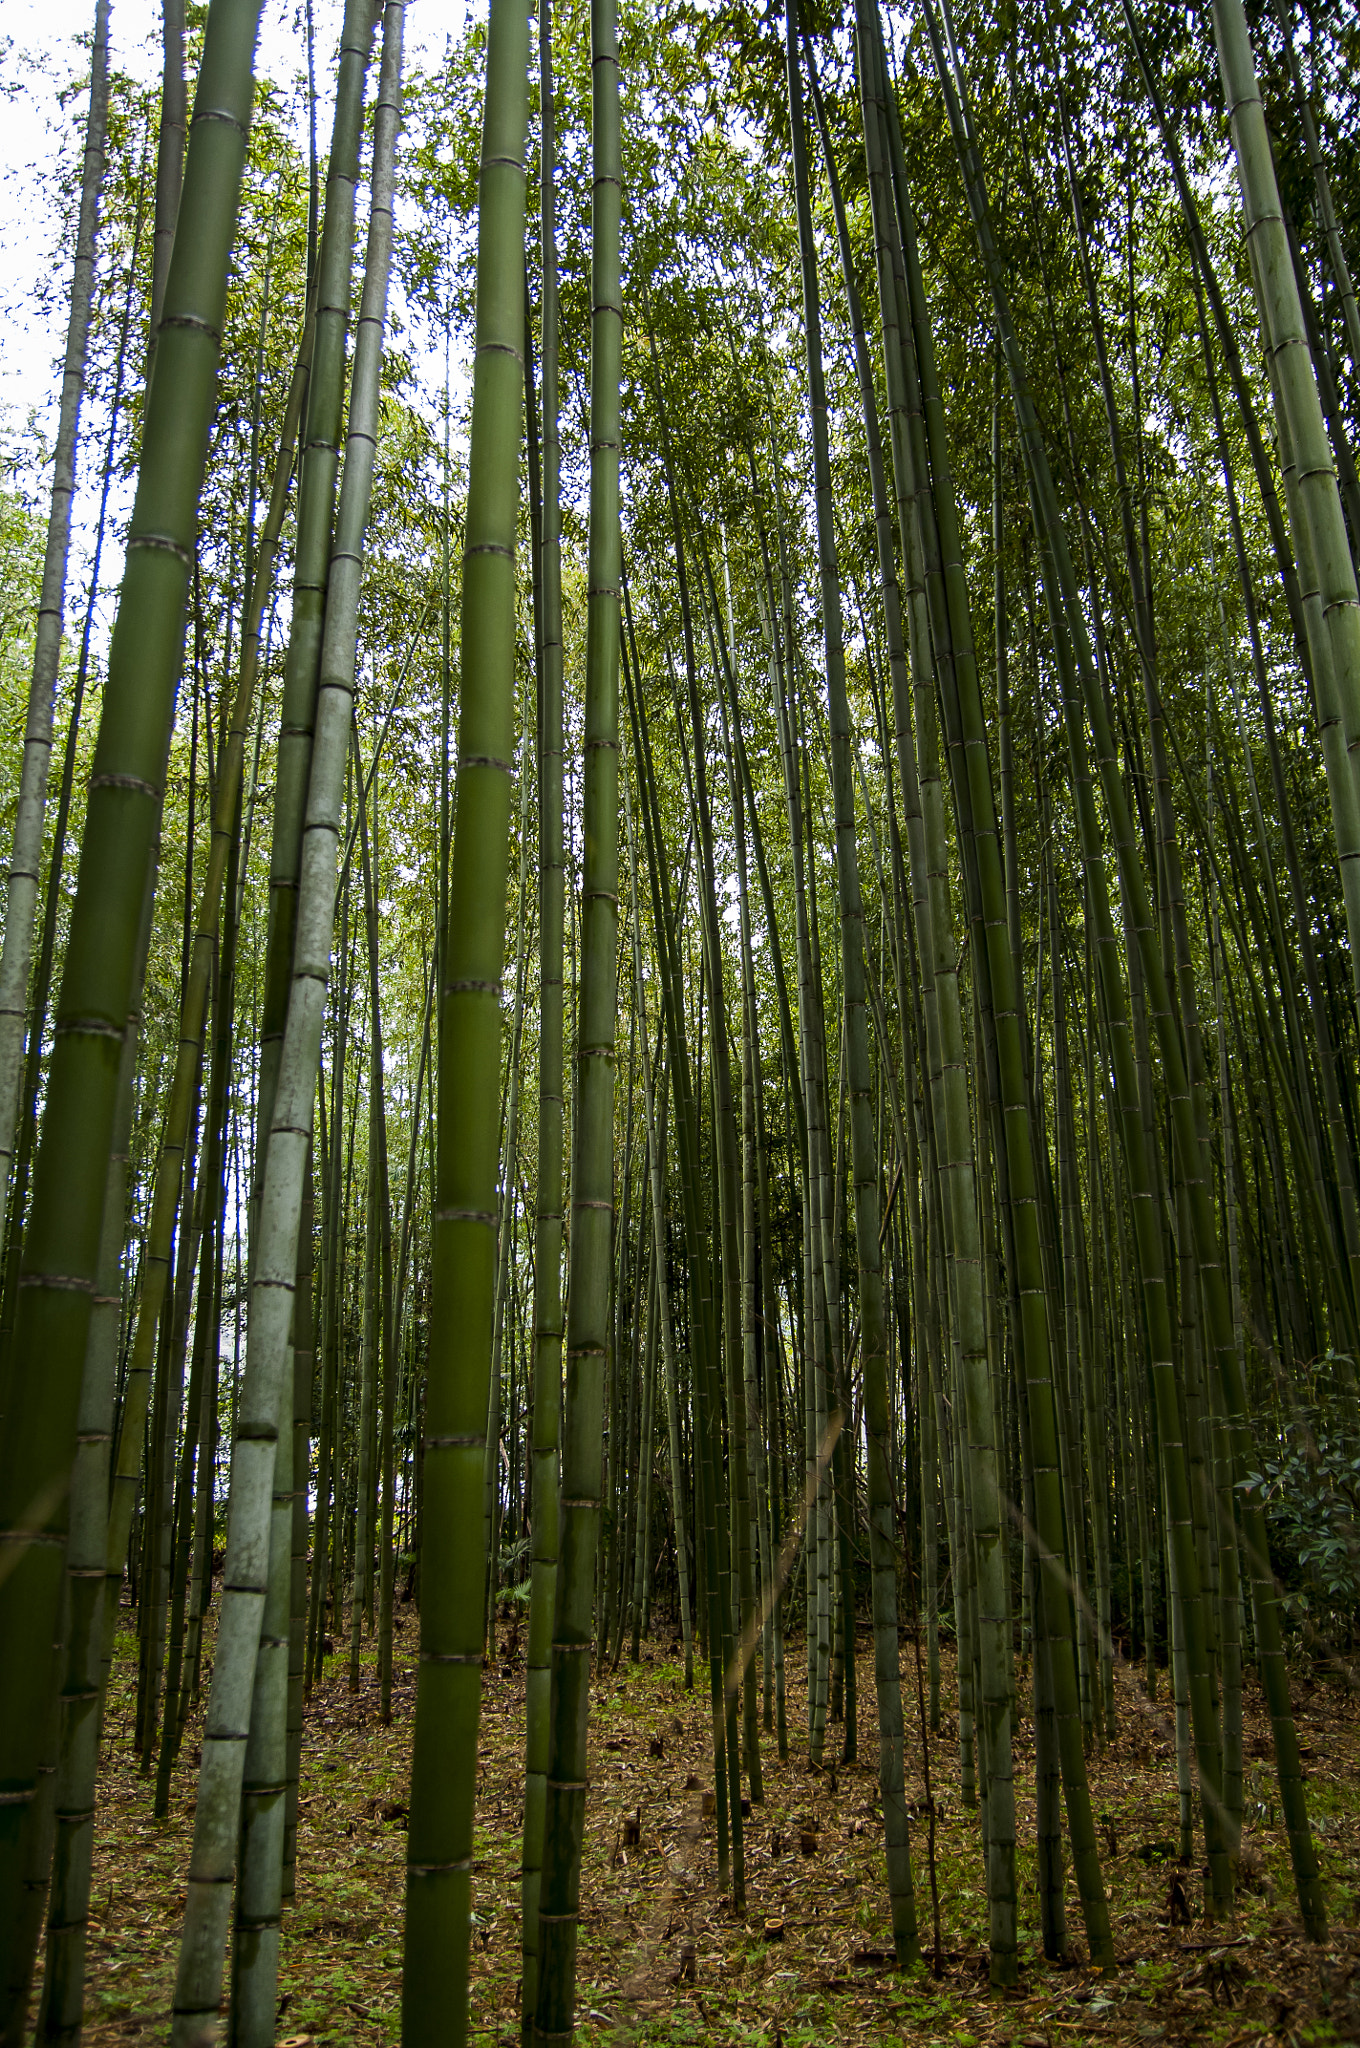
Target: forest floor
<point x="652" y="1913"/>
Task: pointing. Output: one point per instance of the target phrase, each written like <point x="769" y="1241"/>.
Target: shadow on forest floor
<point x="813" y="1862"/>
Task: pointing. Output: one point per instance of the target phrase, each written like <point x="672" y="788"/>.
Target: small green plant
<point x="1311" y="1493"/>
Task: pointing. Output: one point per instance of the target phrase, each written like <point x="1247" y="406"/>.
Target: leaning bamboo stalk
<point x="169" y="163"/>
<point x="246" y="1725"/>
<point x="317" y="473"/>
<point x="165" y="1202"/>
<point x="1326" y="207"/>
<point x="41" y="989"/>
<point x="1328" y="626"/>
<point x="304" y="1366"/>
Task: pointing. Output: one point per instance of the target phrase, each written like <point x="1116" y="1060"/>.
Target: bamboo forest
<point x="680" y="1024"/>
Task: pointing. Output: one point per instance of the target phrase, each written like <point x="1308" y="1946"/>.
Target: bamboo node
<point x="133" y="782"/>
<point x="193" y="323"/>
<point x="227" y="119"/>
<point x="164" y="542"/>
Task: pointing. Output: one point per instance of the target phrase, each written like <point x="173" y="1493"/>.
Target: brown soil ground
<point x="654" y="1910"/>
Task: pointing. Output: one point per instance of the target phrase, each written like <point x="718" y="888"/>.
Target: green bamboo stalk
<point x="666" y="932"/>
<point x="656" y="1122"/>
<point x="169" y="164"/>
<point x="1315" y="505"/>
<point x="318" y="473"/>
<point x="1336" y="254"/>
<point x="638" y="1588"/>
<point x="361" y="1578"/>
<point x="209" y="1309"/>
<point x="504" y="1281"/>
<point x="332" y="1258"/>
<point x="471" y="963"/>
<point x="766" y="1605"/>
<point x="548" y="1331"/>
<point x="734" y="1534"/>
<point x="99" y="988"/>
<point x="592" y="1192"/>
<point x="814" y="1135"/>
<point x="68" y="1902"/>
<point x="40" y="994"/>
<point x="202" y="1242"/>
<point x="304" y="1364"/>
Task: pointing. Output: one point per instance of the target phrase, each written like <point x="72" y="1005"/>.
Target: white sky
<point x="40" y="54"/>
<point x="39" y="51"/>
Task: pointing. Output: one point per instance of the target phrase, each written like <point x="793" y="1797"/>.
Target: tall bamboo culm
<point x="471" y="960"/>
<point x="589" y="1310"/>
<point x="545" y="1423"/>
<point x="101" y="971"/>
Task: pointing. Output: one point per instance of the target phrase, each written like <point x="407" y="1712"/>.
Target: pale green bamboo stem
<point x="245" y="1730"/>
